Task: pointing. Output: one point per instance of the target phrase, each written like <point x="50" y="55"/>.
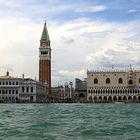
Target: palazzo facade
<point x="13" y="89"/>
<point x="113" y="86"/>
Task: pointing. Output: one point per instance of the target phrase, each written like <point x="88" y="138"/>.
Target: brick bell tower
<point x="45" y="59"/>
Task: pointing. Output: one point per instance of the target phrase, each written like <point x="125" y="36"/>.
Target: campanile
<point x="45" y="59"/>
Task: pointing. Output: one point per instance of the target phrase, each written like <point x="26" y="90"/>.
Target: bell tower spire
<point x="45" y="35"/>
<point x="45" y="58"/>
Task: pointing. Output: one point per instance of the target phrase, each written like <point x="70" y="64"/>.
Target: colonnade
<point x="114" y="95"/>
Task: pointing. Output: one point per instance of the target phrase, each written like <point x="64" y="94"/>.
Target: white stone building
<point x="32" y="90"/>
<point x="9" y="88"/>
<point x="113" y="86"/>
<point x="21" y="89"/>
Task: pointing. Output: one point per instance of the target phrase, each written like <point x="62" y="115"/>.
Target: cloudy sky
<point x="85" y="34"/>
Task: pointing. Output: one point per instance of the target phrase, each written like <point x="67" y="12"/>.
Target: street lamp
<point x="71" y="84"/>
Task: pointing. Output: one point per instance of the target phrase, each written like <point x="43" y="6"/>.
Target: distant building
<point x="32" y="90"/>
<point x="81" y="89"/>
<point x="45" y="59"/>
<point x="9" y="87"/>
<point x="62" y="93"/>
<point x="21" y="89"/>
<point x="108" y="86"/>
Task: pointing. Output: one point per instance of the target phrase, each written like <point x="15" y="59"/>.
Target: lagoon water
<point x="69" y="121"/>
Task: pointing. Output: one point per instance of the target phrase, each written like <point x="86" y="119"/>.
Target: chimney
<point x="23" y="76"/>
<point x="7" y="73"/>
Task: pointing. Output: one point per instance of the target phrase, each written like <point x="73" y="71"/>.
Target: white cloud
<point x="74" y="74"/>
<point x="93" y="9"/>
<point x="19" y="47"/>
<point x="62" y="76"/>
<point x="77" y="45"/>
<point x="94" y="44"/>
<point x="132" y="11"/>
<point x="121" y="47"/>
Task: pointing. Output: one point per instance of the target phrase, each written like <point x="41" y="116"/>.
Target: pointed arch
<point x="114" y="98"/>
<point x="90" y="98"/>
<point x="100" y="98"/>
<point x="124" y="98"/>
<point x="129" y="98"/>
<point x="134" y="98"/>
<point x="110" y="98"/>
<point x="95" y="98"/>
<point x="130" y="82"/>
<point x="105" y="98"/>
<point x="107" y="80"/>
<point x="95" y="81"/>
<point x="120" y="81"/>
<point x="119" y="98"/>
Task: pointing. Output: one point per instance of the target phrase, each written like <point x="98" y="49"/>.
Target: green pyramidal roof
<point x="45" y="35"/>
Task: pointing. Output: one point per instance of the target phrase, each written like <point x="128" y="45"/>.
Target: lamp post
<point x="46" y="90"/>
<point x="71" y="84"/>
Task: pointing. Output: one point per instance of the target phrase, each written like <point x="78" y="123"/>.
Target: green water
<point x="69" y="121"/>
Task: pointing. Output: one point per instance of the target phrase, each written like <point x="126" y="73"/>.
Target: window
<point x="6" y="83"/>
<point x="13" y="91"/>
<point x="95" y="81"/>
<point x="130" y="82"/>
<point x="16" y="91"/>
<point x="31" y="89"/>
<point x="27" y="89"/>
<point x="16" y="83"/>
<point x="45" y="52"/>
<point x="31" y="98"/>
<point x="139" y="80"/>
<point x="120" y="81"/>
<point x="9" y="91"/>
<point x="0" y="83"/>
<point x="107" y="81"/>
<point x="13" y="83"/>
<point x="10" y="83"/>
<point x="22" y="89"/>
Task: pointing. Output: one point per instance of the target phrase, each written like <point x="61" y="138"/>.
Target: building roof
<point x="45" y="35"/>
<point x="6" y="77"/>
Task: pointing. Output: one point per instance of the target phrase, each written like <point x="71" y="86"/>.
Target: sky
<point x="85" y="35"/>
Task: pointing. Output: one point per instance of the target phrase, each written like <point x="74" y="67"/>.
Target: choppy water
<point x="69" y="121"/>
